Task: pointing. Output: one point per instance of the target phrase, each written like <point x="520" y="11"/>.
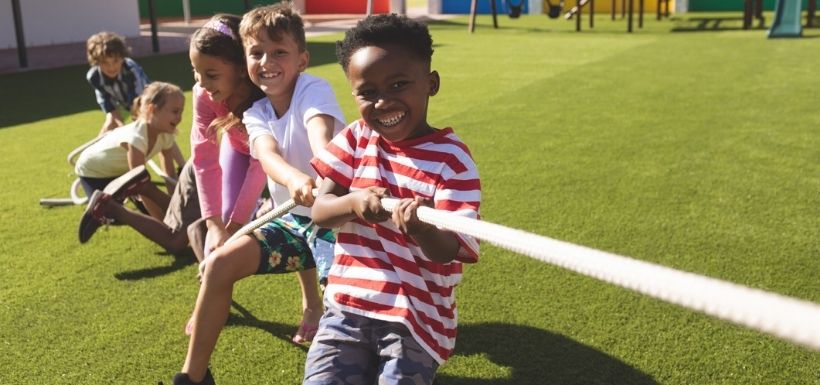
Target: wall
<point x="47" y="22"/>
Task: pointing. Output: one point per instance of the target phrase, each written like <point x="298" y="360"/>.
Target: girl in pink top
<point x="229" y="181"/>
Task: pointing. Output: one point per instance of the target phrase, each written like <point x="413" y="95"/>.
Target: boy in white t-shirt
<point x="297" y="118"/>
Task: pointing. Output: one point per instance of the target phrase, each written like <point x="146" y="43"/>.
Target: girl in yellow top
<point x="157" y="112"/>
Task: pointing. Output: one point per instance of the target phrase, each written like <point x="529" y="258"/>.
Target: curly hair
<point x="105" y="44"/>
<point x="381" y="30"/>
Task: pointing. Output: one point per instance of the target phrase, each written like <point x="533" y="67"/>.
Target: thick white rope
<point x="791" y="319"/>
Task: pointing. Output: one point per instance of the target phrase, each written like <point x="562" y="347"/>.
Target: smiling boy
<point x="391" y="315"/>
<point x="116" y="78"/>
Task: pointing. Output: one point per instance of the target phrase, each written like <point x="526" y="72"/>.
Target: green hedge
<point x="173" y="8"/>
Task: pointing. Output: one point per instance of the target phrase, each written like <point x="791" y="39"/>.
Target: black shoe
<point x="94" y="215"/>
<point x="182" y="379"/>
<point x="127" y="184"/>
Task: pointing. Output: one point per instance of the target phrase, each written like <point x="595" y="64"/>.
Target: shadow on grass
<point x="51" y="93"/>
<point x="246" y="318"/>
<point x="534" y="356"/>
<point x="715" y="24"/>
<point x="180" y="262"/>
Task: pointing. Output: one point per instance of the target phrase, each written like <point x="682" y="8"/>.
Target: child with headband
<point x="298" y="115"/>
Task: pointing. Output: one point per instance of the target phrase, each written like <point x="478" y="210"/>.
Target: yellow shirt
<point x="109" y="159"/>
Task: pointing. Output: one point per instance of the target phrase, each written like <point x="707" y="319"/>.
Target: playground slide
<point x="787" y="19"/>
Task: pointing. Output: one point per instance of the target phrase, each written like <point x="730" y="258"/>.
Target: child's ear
<point x="435" y="82"/>
<point x="304" y="59"/>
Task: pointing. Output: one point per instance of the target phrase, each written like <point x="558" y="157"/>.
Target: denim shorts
<point x="290" y="243"/>
<point x="350" y="349"/>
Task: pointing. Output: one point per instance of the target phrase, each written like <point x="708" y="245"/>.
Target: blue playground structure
<point x="787" y="19"/>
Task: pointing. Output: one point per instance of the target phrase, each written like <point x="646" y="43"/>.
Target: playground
<point x="688" y="143"/>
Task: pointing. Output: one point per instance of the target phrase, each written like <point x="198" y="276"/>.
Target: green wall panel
<point x="173" y="8"/>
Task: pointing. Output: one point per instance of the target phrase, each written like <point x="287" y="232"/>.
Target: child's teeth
<point x="391" y="121"/>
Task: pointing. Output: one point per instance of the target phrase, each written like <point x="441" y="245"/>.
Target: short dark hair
<point x="381" y="30"/>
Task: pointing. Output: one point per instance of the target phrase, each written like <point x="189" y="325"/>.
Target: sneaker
<point x="182" y="379"/>
<point x="94" y="215"/>
<point x="127" y="184"/>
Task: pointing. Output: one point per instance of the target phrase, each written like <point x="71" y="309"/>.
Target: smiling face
<point x="111" y="66"/>
<point x="219" y="77"/>
<point x="274" y="66"/>
<point x="392" y="87"/>
<point x="167" y="117"/>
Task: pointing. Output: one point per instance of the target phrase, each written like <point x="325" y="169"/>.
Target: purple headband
<point x="220" y="27"/>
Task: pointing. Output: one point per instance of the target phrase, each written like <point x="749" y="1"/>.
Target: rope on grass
<point x="791" y="319"/>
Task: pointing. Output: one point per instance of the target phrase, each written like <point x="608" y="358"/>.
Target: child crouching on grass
<point x="391" y="314"/>
<point x="124" y="151"/>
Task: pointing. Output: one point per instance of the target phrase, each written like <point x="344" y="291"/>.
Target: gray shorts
<point x="183" y="209"/>
<point x="350" y="349"/>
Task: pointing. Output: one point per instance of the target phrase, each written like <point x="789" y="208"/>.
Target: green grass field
<point x="681" y="145"/>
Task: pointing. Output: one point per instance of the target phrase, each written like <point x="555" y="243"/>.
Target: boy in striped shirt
<point x="391" y="316"/>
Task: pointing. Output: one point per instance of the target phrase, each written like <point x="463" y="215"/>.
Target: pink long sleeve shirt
<point x="205" y="155"/>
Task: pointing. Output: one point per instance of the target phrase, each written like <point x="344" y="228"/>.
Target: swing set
<point x="555" y="8"/>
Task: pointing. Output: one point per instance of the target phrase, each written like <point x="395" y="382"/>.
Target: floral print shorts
<point x="288" y="244"/>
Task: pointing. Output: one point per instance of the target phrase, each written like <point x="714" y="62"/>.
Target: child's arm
<point x="299" y="184"/>
<point x="335" y="205"/>
<point x="137" y="158"/>
<point x="168" y="158"/>
<point x="440" y="246"/>
<point x="112" y="121"/>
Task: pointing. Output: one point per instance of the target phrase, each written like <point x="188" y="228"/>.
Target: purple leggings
<point x="234" y="166"/>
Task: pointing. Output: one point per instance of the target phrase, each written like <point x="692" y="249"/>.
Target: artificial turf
<point x="689" y="144"/>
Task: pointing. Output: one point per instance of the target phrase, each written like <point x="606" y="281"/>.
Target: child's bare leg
<point x="311" y="306"/>
<point x="149" y="227"/>
<point x="225" y="266"/>
<point x="196" y="237"/>
<point x="155" y="200"/>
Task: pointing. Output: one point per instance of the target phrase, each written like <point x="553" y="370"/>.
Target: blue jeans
<point x="350" y="349"/>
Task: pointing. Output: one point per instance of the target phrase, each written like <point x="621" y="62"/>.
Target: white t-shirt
<point x="312" y="96"/>
<point x="109" y="159"/>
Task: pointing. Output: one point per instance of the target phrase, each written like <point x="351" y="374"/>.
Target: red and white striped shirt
<point x="378" y="271"/>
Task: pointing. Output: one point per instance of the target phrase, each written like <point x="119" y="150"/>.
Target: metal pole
<point x="629" y="22"/>
<point x="640" y="13"/>
<point x="591" y="13"/>
<point x="495" y="12"/>
<point x="659" y="9"/>
<point x="369" y="7"/>
<point x="578" y="14"/>
<point x="612" y="11"/>
<point x="186" y="11"/>
<point x="153" y="16"/>
<point x="22" y="55"/>
<point x="471" y="26"/>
